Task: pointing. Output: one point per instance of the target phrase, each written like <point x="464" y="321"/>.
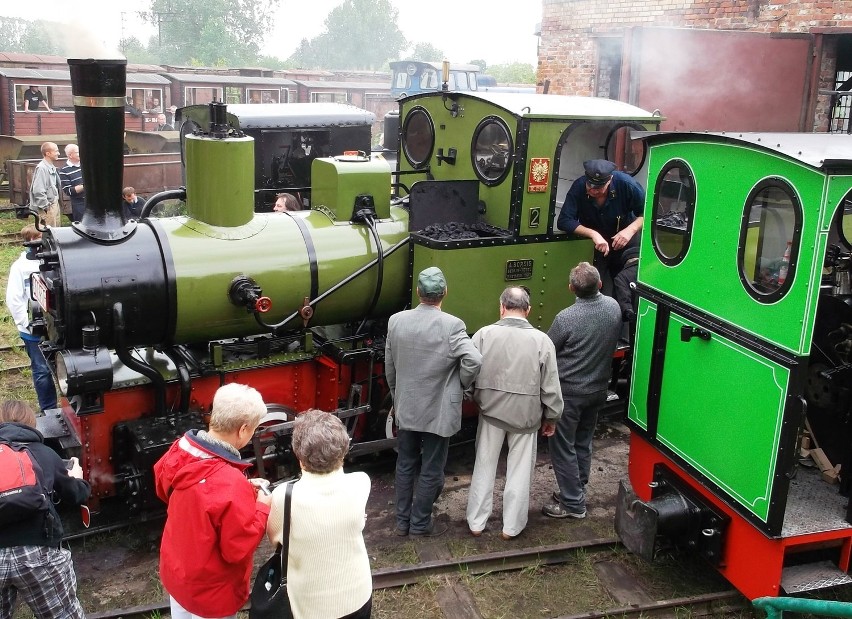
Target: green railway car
<point x="743" y="341"/>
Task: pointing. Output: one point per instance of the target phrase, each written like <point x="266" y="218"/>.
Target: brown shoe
<point x="475" y="533"/>
<point x="506" y="537"/>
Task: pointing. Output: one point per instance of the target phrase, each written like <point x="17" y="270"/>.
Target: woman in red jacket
<point x="216" y="517"/>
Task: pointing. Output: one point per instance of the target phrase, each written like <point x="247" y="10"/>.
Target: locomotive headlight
<point x="83" y="371"/>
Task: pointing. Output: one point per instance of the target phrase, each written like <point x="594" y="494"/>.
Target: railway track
<point x="447" y="570"/>
<point x="10" y="238"/>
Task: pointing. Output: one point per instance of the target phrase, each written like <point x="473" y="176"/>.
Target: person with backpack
<point x="32" y="562"/>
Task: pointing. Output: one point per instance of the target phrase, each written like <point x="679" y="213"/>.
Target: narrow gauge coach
<point x="145" y="319"/>
<point x="744" y="341"/>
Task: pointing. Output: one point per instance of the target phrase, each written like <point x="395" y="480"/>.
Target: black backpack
<point x="22" y="491"/>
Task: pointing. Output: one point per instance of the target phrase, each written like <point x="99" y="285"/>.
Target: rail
<point x="402" y="576"/>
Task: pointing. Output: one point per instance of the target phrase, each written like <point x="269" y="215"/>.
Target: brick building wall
<point x="574" y="33"/>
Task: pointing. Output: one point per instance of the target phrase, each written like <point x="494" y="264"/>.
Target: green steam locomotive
<point x="145" y="319"/>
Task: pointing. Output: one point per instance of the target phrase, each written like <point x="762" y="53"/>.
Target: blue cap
<point x="598" y="171"/>
<point x="431" y="282"/>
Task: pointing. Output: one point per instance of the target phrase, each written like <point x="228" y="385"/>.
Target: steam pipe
<point x="98" y="88"/>
<point x="123" y="353"/>
<point x="170" y="194"/>
<point x="183" y="377"/>
<point x="275" y="327"/>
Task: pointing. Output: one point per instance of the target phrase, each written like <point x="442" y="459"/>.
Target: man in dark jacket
<point x="32" y="562"/>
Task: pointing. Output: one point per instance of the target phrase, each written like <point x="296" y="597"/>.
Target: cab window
<point x="491" y="150"/>
<point x="674" y="208"/>
<point x="845" y="227"/>
<point x="418" y="137"/>
<point x="769" y="240"/>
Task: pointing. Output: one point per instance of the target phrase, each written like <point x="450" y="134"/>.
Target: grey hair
<point x="515" y="298"/>
<point x="585" y="280"/>
<point x="320" y="441"/>
<point x="234" y="405"/>
<point x="70" y="147"/>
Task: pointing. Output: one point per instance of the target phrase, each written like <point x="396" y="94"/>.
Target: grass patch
<point x="409" y="602"/>
<point x="540" y="591"/>
<point x="404" y="553"/>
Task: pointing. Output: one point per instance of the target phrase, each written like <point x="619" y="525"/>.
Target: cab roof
<point x="823" y="151"/>
<point x="283" y="115"/>
<point x="534" y="105"/>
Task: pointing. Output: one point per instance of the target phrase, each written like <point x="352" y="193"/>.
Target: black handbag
<point x="269" y="593"/>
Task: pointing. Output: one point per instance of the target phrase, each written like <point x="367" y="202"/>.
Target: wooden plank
<point x="621" y="584"/>
<point x="457" y="601"/>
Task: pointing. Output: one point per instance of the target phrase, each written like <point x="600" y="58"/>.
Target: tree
<point x="359" y="34"/>
<point x="479" y="63"/>
<point x="136" y="52"/>
<point x="210" y="31"/>
<point x="30" y="37"/>
<point x="513" y="73"/>
<point x="426" y="52"/>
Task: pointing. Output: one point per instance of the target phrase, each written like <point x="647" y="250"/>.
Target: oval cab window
<point x="491" y="150"/>
<point x="769" y="240"/>
<point x="418" y="137"/>
<point x="674" y="208"/>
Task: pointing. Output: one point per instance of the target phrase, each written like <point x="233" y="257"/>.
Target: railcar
<point x="152" y="89"/>
<point x="144" y="320"/>
<point x="744" y="343"/>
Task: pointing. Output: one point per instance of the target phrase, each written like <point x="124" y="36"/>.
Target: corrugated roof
<point x="59" y="75"/>
<point x="229" y="79"/>
<point x="379" y="86"/>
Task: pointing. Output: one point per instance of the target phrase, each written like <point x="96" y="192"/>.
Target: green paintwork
<point x="713" y="395"/>
<point x="271" y="250"/>
<point x="475" y="278"/>
<point x="646" y="316"/>
<point x="711" y="262"/>
<point x="220" y="180"/>
<point x="716" y="394"/>
<point x="338" y="180"/>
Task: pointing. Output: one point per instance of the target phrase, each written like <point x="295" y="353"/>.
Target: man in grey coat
<point x="585" y="336"/>
<point x="429" y="362"/>
<point x="518" y="392"/>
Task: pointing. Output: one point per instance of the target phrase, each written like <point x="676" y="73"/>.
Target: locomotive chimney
<point x="98" y="87"/>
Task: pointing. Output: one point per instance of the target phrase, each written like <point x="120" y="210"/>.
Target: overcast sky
<point x="497" y="31"/>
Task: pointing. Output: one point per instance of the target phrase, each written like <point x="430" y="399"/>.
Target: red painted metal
<point x="315" y="383"/>
<point x="751" y="561"/>
<point x="715" y="80"/>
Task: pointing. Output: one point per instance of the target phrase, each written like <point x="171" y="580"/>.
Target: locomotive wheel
<point x="382" y="424"/>
<point x="820" y="392"/>
<point x="286" y="464"/>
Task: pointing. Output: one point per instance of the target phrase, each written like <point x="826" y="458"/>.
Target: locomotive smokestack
<point x="98" y="87"/>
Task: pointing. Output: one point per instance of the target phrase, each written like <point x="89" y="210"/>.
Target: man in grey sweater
<point x="585" y="336"/>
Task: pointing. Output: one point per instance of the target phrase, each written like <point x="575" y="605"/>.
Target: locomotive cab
<point x="742" y="342"/>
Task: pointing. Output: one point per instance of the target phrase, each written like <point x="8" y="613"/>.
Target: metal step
<point x="811" y="576"/>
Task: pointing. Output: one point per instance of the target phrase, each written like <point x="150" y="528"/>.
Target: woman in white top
<point x="328" y="570"/>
